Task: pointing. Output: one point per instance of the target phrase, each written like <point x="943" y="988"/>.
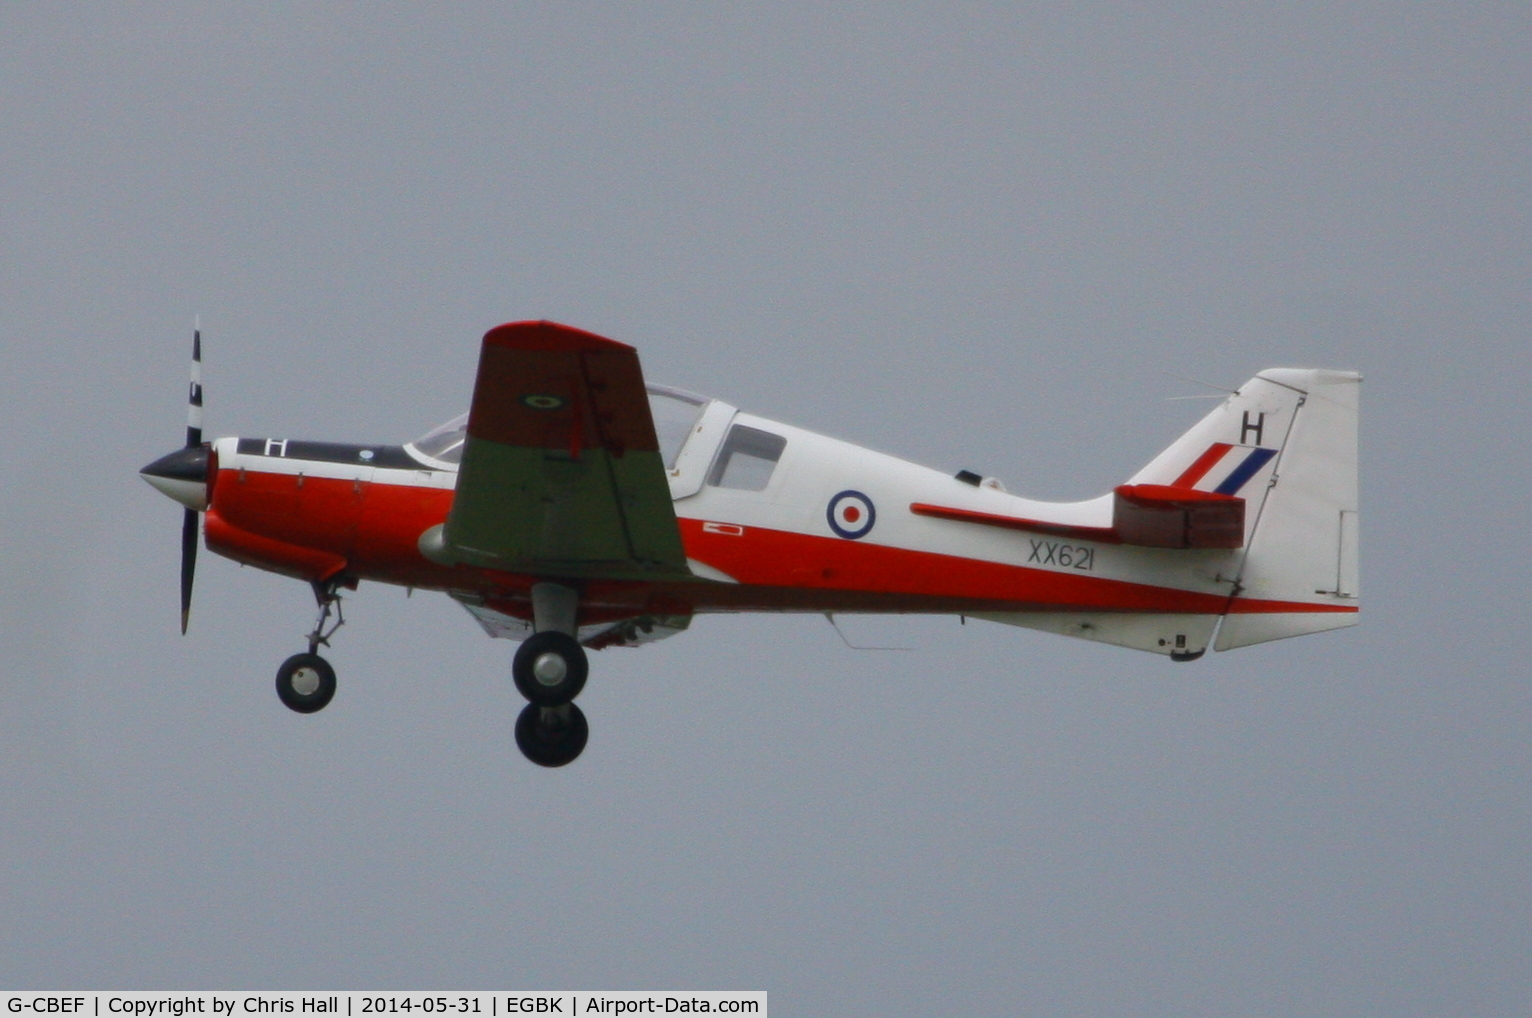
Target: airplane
<point x="575" y="507"/>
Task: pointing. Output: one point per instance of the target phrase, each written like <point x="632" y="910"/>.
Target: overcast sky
<point x="993" y="236"/>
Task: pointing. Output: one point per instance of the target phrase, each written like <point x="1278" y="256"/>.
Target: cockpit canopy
<point x="675" y="413"/>
<point x="442" y="446"/>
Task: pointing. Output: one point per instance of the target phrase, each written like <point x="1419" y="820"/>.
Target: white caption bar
<point x="245" y="1004"/>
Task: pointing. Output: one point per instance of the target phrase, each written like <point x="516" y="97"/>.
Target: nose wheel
<point x="306" y="682"/>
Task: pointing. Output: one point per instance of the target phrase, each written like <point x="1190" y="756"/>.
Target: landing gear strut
<point x="306" y="682"/>
<point x="550" y="669"/>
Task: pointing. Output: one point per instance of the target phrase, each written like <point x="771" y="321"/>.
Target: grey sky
<point x="986" y="237"/>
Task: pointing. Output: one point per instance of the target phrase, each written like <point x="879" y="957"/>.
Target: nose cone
<point x="182" y="476"/>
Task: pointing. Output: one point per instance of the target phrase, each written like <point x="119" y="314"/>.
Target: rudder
<point x="1302" y="547"/>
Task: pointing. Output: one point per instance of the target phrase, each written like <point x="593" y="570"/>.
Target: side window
<point x="747" y="459"/>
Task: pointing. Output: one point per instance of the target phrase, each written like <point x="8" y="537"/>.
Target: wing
<point x="561" y="473"/>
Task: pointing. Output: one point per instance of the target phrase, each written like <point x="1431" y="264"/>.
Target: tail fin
<point x="1286" y="443"/>
<point x="1305" y="542"/>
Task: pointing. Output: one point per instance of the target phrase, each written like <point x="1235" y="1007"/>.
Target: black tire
<point x="551" y="736"/>
<point x="306" y="683"/>
<point x="568" y="661"/>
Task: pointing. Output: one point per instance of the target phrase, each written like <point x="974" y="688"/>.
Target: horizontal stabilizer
<point x="1106" y="535"/>
<point x="1147" y="515"/>
<point x="1158" y="516"/>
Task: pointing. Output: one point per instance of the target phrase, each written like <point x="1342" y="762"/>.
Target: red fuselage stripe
<point x="776" y="558"/>
<point x="374" y="527"/>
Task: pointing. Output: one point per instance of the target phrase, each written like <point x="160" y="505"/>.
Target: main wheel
<point x="551" y="736"/>
<point x="306" y="683"/>
<point x="550" y="668"/>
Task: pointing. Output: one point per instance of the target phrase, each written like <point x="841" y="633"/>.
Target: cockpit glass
<point x="445" y="441"/>
<point x="747" y="460"/>
<point x="675" y="413"/>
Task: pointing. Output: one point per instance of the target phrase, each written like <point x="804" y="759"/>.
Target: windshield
<point x="444" y="442"/>
<point x="675" y="413"/>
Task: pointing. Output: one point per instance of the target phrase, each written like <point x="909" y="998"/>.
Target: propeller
<point x="189" y="517"/>
<point x="183" y="476"/>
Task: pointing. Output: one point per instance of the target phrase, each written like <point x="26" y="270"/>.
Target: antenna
<point x="1205" y="385"/>
<point x="830" y="616"/>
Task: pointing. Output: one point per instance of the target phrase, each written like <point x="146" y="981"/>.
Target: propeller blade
<point x="189" y="525"/>
<point x="188" y="563"/>
<point x="194" y="395"/>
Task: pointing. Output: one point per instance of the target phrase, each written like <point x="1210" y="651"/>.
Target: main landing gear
<point x="306" y="682"/>
<point x="549" y="670"/>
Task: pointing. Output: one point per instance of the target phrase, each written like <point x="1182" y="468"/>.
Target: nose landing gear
<point x="306" y="682"/>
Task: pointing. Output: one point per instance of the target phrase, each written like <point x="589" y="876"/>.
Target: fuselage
<point x="825" y="527"/>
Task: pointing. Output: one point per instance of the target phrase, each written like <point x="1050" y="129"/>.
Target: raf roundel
<point x="851" y="514"/>
<point x="542" y="401"/>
